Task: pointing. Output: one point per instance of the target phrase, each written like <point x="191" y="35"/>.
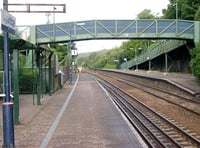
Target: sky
<point x="81" y="10"/>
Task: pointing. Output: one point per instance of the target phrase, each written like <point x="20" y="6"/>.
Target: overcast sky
<point x="80" y="10"/>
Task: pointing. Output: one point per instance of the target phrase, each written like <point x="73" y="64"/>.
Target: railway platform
<point x="185" y="81"/>
<point x="79" y="115"/>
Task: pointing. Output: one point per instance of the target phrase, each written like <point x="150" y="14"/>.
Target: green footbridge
<point x="175" y="32"/>
<point x="31" y="42"/>
<point x="115" y="29"/>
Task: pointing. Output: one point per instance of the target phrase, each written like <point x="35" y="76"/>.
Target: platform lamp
<point x="176" y="17"/>
<point x="70" y="62"/>
<point x="54" y="27"/>
<point x="176" y="4"/>
<point x="149" y="54"/>
<point x="136" y="51"/>
<point x="126" y="58"/>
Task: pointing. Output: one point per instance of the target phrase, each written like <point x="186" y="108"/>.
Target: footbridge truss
<point x="115" y="29"/>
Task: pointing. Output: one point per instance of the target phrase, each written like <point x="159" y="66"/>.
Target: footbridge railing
<point x="115" y="29"/>
<point x="165" y="47"/>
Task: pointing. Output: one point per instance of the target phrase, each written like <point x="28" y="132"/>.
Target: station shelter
<point x="33" y="70"/>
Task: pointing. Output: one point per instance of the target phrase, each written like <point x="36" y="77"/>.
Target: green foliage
<point x="61" y="50"/>
<point x="195" y="62"/>
<point x="27" y="81"/>
<point x="186" y="9"/>
<point x="146" y="14"/>
<point x="197" y="15"/>
<point x="113" y="58"/>
<point x="22" y="60"/>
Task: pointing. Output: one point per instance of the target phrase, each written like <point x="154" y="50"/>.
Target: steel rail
<point x="151" y="90"/>
<point x="186" y="135"/>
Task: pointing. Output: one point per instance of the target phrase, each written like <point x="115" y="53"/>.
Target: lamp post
<point x="70" y="62"/>
<point x="48" y="15"/>
<point x="70" y="50"/>
<point x="54" y="8"/>
<point x="176" y="4"/>
<point x="125" y="59"/>
<point x="176" y="11"/>
<point x="149" y="56"/>
<point x="137" y="57"/>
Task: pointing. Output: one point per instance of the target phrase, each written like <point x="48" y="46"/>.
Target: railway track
<point x="185" y="102"/>
<point x="156" y="129"/>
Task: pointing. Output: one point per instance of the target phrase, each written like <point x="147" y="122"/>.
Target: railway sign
<point x="8" y="22"/>
<point x="74" y="52"/>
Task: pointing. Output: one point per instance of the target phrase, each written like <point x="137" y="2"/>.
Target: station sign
<point x="74" y="52"/>
<point x="8" y="22"/>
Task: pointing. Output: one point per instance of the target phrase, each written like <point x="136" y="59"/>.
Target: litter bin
<point x="60" y="79"/>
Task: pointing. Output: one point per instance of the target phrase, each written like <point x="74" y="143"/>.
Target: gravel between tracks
<point x="184" y="119"/>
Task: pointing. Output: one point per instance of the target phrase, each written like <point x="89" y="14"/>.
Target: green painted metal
<point x="33" y="72"/>
<point x="165" y="47"/>
<point x="16" y="86"/>
<point x="166" y="62"/>
<point x="39" y="75"/>
<point x="115" y="29"/>
<point x="16" y="44"/>
<point x="32" y="35"/>
<point x="196" y="32"/>
<point x="120" y="29"/>
<point x="149" y="65"/>
<point x="50" y="75"/>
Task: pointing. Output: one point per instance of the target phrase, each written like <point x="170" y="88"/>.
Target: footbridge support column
<point x="196" y="32"/>
<point x="166" y="62"/>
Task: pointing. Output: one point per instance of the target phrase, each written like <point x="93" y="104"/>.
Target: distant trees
<point x="61" y="50"/>
<point x="146" y="14"/>
<point x="197" y="15"/>
<point x="195" y="62"/>
<point x="113" y="58"/>
<point x="187" y="9"/>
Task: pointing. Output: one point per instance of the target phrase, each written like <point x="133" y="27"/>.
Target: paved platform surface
<point x="86" y="118"/>
<point x="187" y="81"/>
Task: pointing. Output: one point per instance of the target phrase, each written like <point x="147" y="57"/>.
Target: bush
<point x="110" y="66"/>
<point x="27" y="81"/>
<point x="195" y="61"/>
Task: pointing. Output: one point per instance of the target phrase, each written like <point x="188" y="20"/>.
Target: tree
<point x="195" y="62"/>
<point x="146" y="14"/>
<point x="61" y="50"/>
<point x="186" y="9"/>
<point x="197" y="15"/>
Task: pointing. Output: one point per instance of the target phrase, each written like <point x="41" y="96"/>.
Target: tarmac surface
<point x="183" y="80"/>
<point x="78" y="116"/>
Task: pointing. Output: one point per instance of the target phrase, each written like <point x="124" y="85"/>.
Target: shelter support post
<point x="16" y="86"/>
<point x="39" y="84"/>
<point x="50" y="75"/>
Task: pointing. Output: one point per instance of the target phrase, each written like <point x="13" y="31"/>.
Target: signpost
<point x="8" y="25"/>
<point x="8" y="22"/>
